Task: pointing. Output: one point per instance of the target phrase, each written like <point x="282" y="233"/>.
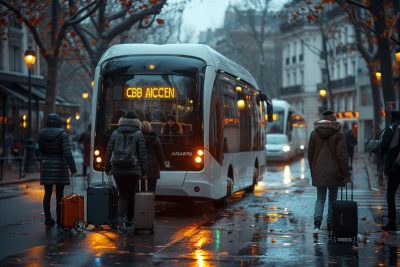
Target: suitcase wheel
<point x="80" y="225"/>
<point x="66" y="229"/>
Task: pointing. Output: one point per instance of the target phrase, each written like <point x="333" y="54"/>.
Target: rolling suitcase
<point x="345" y="217"/>
<point x="144" y="210"/>
<point x="102" y="201"/>
<point x="72" y="211"/>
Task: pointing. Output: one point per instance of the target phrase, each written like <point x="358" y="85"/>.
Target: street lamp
<point x="378" y="76"/>
<point x="397" y="54"/>
<point x="85" y="96"/>
<point x="323" y="93"/>
<point x="30" y="58"/>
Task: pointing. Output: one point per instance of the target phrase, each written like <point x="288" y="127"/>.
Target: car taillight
<point x="198" y="158"/>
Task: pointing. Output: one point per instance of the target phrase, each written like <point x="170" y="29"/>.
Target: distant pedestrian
<point x="126" y="160"/>
<point x="84" y="140"/>
<point x="329" y="164"/>
<point x="16" y="148"/>
<point x="390" y="147"/>
<point x="155" y="156"/>
<point x="351" y="142"/>
<point x="56" y="157"/>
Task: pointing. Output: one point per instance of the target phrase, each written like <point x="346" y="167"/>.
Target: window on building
<point x="294" y="77"/>
<point x="339" y="74"/>
<point x="366" y="96"/>
<point x="15" y="58"/>
<point x="353" y="68"/>
<point x="287" y="61"/>
<point x="289" y="82"/>
<point x="302" y="77"/>
<point x="346" y="69"/>
<point x="346" y="38"/>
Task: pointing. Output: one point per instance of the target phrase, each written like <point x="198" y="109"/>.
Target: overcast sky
<point x="200" y="15"/>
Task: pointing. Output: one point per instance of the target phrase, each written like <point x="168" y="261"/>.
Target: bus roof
<point x="204" y="52"/>
<point x="283" y="104"/>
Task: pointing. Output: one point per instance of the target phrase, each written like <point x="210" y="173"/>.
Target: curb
<point x="19" y="181"/>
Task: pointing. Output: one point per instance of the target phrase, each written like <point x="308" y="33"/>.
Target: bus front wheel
<point x="251" y="188"/>
<point x="221" y="203"/>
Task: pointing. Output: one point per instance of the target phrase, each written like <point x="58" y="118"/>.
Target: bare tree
<point x="49" y="22"/>
<point x="112" y="19"/>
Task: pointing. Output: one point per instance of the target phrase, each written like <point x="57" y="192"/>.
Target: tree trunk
<point x="51" y="85"/>
<point x="384" y="54"/>
<point x="328" y="74"/>
<point x="376" y="100"/>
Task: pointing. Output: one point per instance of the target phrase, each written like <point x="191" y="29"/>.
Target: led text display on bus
<point x="150" y="93"/>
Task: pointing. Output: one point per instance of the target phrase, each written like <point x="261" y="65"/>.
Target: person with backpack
<point x="56" y="157"/>
<point x="126" y="160"/>
<point x="390" y="148"/>
<point x="328" y="161"/>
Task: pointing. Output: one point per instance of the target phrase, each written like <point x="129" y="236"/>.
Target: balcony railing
<point x="290" y="90"/>
<point x="337" y="84"/>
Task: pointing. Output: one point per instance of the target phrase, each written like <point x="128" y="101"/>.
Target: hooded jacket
<point x="128" y="126"/>
<point x="327" y="154"/>
<point x="155" y="155"/>
<point x="55" y="150"/>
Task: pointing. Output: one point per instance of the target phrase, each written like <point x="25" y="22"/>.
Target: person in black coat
<point x="56" y="157"/>
<point x="392" y="169"/>
<point x="155" y="156"/>
<point x="127" y="177"/>
<point x="351" y="142"/>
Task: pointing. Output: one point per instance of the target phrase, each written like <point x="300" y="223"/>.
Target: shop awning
<point x="13" y="93"/>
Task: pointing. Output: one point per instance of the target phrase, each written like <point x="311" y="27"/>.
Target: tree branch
<point x="32" y="28"/>
<point x="127" y="24"/>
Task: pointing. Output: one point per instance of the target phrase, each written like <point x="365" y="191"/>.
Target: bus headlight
<point x="198" y="159"/>
<point x="302" y="147"/>
<point x="286" y="148"/>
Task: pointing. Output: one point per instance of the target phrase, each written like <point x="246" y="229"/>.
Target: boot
<point x="317" y="225"/>
<point x="391" y="226"/>
<point x="121" y="225"/>
<point x="49" y="222"/>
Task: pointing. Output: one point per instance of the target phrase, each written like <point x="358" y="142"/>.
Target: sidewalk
<point x="11" y="175"/>
<point x="365" y="159"/>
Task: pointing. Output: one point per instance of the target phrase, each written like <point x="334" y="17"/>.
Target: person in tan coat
<point x="328" y="161"/>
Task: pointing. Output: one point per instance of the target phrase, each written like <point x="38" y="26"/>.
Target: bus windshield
<point x="277" y="125"/>
<point x="162" y="90"/>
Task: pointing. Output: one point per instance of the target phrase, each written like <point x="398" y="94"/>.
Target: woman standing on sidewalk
<point x="56" y="157"/>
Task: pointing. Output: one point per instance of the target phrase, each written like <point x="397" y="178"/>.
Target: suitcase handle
<point x="341" y="190"/>
<point x="72" y="183"/>
<point x="146" y="189"/>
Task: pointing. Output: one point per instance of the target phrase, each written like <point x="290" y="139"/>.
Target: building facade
<point x="14" y="88"/>
<point x="304" y="73"/>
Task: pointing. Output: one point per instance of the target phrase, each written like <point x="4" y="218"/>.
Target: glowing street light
<point x="30" y="58"/>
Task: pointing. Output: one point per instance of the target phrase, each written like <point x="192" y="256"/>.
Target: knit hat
<point x="329" y="115"/>
<point x="131" y="115"/>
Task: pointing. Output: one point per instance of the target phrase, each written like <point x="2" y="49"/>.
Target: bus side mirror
<point x="270" y="110"/>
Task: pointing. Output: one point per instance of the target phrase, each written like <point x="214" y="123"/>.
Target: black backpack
<point x="124" y="151"/>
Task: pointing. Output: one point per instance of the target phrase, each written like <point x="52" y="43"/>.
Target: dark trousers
<point x="126" y="188"/>
<point x="392" y="185"/>
<point x="151" y="185"/>
<point x="48" y="191"/>
<point x="84" y="169"/>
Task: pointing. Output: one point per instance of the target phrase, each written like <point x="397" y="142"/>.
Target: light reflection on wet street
<point x="271" y="226"/>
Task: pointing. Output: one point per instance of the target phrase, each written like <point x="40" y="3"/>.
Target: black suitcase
<point x="345" y="217"/>
<point x="102" y="203"/>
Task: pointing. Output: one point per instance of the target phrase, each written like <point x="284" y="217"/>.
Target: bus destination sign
<point x="150" y="92"/>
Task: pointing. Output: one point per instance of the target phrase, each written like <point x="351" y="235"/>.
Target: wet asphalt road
<point x="270" y="227"/>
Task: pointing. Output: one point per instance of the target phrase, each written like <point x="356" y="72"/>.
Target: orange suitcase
<point x="72" y="212"/>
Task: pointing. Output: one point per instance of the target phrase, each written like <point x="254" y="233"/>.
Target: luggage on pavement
<point x="72" y="211"/>
<point x="345" y="217"/>
<point x="144" y="210"/>
<point x="102" y="201"/>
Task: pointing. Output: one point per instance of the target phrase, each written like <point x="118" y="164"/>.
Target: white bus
<point x="219" y="148"/>
<point x="287" y="133"/>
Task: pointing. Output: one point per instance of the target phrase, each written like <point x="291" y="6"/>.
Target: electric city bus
<point x="287" y="133"/>
<point x="214" y="103"/>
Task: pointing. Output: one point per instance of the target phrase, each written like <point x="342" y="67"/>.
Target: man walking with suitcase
<point x="328" y="161"/>
<point x="391" y="149"/>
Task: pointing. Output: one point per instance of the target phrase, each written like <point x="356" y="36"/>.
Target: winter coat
<point x="127" y="126"/>
<point x="351" y="141"/>
<point x="56" y="155"/>
<point x="390" y="154"/>
<point x="176" y="129"/>
<point x="84" y="139"/>
<point x="155" y="155"/>
<point x="327" y="155"/>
